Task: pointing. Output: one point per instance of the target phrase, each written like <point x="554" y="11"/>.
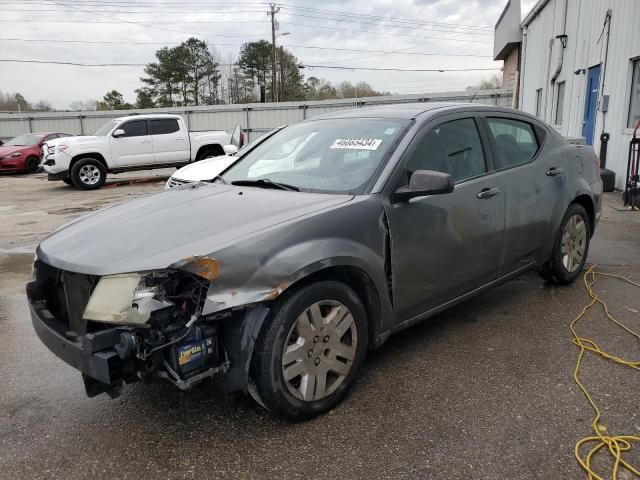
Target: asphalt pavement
<point x="483" y="391"/>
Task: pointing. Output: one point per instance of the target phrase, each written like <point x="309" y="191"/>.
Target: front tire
<point x="309" y="351"/>
<point x="88" y="174"/>
<point x="31" y="165"/>
<point x="571" y="247"/>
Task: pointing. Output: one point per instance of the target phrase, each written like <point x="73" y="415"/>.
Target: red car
<point x="22" y="154"/>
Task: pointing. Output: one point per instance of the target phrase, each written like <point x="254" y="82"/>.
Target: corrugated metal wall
<point x="255" y="118"/>
<point x="586" y="44"/>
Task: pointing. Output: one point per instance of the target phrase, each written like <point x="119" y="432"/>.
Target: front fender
<point x="267" y="280"/>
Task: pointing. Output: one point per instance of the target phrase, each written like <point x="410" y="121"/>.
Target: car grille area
<point x="176" y="182"/>
<point x="66" y="294"/>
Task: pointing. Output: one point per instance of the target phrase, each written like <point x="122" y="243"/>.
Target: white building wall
<point x="585" y="20"/>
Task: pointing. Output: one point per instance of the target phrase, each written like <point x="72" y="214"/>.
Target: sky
<point x="415" y="34"/>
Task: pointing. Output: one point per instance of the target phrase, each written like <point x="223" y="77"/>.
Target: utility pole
<point x="274" y="83"/>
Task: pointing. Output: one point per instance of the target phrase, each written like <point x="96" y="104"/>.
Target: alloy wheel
<point x="574" y="241"/>
<point x="89" y="174"/>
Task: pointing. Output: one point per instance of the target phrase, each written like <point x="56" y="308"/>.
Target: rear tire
<point x="31" y="165"/>
<point x="309" y="351"/>
<point x="570" y="249"/>
<point x="88" y="174"/>
<point x="209" y="153"/>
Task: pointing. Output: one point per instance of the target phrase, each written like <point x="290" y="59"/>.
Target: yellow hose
<point x="616" y="445"/>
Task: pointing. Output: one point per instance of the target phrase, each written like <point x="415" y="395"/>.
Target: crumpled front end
<point x="142" y="326"/>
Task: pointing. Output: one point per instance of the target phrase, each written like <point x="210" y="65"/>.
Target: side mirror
<point x="118" y="133"/>
<point x="230" y="149"/>
<point x="422" y="183"/>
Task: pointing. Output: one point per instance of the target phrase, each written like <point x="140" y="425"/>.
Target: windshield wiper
<point x="265" y="182"/>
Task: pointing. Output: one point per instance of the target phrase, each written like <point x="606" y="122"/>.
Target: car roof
<point x="147" y="116"/>
<point x="412" y="110"/>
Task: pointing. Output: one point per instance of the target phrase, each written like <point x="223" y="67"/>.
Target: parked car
<point x="208" y="169"/>
<point x="138" y="142"/>
<point x="279" y="283"/>
<point x="22" y="153"/>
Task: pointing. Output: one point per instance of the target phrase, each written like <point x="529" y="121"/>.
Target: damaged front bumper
<point x="217" y="346"/>
<point x="92" y="354"/>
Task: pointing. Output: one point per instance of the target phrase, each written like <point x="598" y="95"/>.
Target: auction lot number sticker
<point x="357" y="143"/>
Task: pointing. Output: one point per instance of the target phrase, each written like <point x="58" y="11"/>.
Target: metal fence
<point x="255" y="118"/>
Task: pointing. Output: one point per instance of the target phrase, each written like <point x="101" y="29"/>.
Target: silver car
<point x="312" y="248"/>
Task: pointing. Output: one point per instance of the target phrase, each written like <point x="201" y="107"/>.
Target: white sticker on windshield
<point x="357" y="143"/>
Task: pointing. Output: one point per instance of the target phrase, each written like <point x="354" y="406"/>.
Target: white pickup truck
<point x="138" y="142"/>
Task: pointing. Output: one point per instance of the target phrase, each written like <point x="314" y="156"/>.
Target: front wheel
<point x="88" y="174"/>
<point x="309" y="351"/>
<point x="31" y="165"/>
<point x="570" y="248"/>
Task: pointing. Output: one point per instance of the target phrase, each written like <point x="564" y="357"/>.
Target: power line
<point x="391" y="69"/>
<point x="80" y="64"/>
<point x="311" y="47"/>
<point x="380" y="17"/>
<point x="61" y="4"/>
<point x="384" y="23"/>
<point x="342" y="14"/>
<point x="382" y="33"/>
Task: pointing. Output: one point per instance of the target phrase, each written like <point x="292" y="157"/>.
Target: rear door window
<point x="515" y="141"/>
<point x="164" y="126"/>
<point x="137" y="128"/>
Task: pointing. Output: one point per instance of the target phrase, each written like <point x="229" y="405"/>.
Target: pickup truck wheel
<point x="211" y="152"/>
<point x="88" y="174"/>
<point x="31" y="165"/>
<point x="309" y="351"/>
<point x="570" y="249"/>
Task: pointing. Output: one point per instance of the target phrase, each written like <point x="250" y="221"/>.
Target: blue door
<point x="590" y="104"/>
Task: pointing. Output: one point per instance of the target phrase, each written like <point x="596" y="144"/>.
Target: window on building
<point x="559" y="102"/>
<point x="538" y="101"/>
<point x="634" y="107"/>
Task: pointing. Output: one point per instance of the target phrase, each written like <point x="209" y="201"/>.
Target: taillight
<point x="241" y="138"/>
<point x="597" y="160"/>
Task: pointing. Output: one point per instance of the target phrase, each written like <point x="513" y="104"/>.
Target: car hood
<point x="204" y="169"/>
<point x="159" y="230"/>
<point x="79" y="140"/>
<point x="11" y="149"/>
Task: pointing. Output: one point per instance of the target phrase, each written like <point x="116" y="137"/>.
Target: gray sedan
<point x="314" y="246"/>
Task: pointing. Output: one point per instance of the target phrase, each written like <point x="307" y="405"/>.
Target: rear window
<point x="515" y="141"/>
<point x="164" y="126"/>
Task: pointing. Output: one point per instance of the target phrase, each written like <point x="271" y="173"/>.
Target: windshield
<point x="328" y="156"/>
<point x="25" y="140"/>
<point x="105" y="129"/>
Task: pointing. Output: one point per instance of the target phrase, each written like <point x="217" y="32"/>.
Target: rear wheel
<point x="88" y="174"/>
<point x="210" y="152"/>
<point x="31" y="165"/>
<point x="571" y="247"/>
<point x="310" y="350"/>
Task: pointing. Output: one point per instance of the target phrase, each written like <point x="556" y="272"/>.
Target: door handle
<point x="553" y="171"/>
<point x="488" y="192"/>
<point x="179" y="139"/>
<point x="146" y="141"/>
